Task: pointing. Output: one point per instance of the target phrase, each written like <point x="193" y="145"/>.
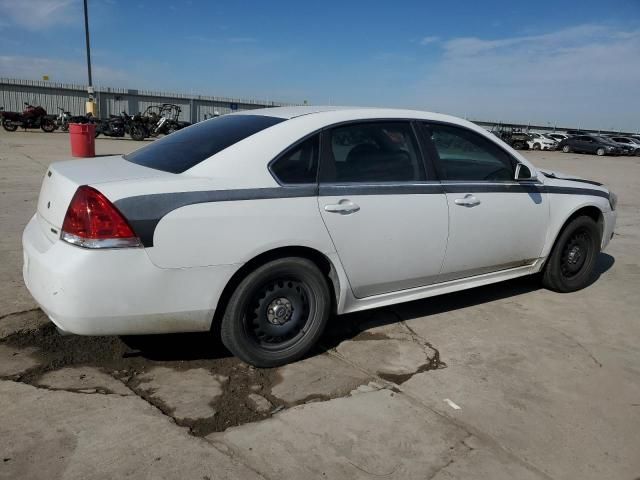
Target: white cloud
<point x="37" y="14"/>
<point x="585" y="75"/>
<point x="429" y="40"/>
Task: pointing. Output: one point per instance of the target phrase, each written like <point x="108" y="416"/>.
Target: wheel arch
<point x="323" y="262"/>
<point x="590" y="210"/>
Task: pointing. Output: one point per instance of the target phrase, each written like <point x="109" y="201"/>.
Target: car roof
<point x="243" y="161"/>
<point x="288" y="113"/>
<point x="293" y="111"/>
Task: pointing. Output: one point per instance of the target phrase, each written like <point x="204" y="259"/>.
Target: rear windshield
<point x="186" y="148"/>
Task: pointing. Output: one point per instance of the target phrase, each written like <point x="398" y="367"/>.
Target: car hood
<point x="555" y="178"/>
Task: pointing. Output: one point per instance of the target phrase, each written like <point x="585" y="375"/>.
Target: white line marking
<point x="452" y="404"/>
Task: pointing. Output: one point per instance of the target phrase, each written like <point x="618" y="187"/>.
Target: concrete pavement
<point x="505" y="381"/>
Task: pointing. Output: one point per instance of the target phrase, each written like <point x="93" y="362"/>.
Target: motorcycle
<point x="163" y="119"/>
<point x="118" y="125"/>
<point x="31" y="117"/>
<point x="63" y="119"/>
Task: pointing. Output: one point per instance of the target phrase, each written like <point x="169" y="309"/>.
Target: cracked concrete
<point x="15" y="361"/>
<point x="318" y="377"/>
<point x="547" y="385"/>
<point x="82" y="379"/>
<point x="187" y="394"/>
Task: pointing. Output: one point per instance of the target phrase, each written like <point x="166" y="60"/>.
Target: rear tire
<point x="277" y="313"/>
<point x="566" y="149"/>
<point x="536" y="146"/>
<point x="9" y="126"/>
<point x="573" y="258"/>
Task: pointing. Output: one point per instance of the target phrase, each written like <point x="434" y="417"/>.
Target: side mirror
<point x="523" y="173"/>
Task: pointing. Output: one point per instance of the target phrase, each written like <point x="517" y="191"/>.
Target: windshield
<point x="602" y="139"/>
<point x="186" y="148"/>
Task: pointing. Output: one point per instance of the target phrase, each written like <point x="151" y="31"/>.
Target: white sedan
<point x="259" y="225"/>
<point x="540" y="141"/>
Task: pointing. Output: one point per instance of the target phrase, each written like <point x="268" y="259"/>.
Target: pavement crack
<point x="21" y="312"/>
<point x="373" y="474"/>
<point x="459" y="449"/>
<point x="80" y="391"/>
<point x="585" y="349"/>
<point x="436" y="362"/>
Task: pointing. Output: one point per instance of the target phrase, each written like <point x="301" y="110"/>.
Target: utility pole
<point x="90" y="104"/>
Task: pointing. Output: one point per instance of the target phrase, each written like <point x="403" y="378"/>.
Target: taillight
<point x="92" y="221"/>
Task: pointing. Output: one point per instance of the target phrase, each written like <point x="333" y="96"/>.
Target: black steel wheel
<point x="572" y="260"/>
<point x="277" y="313"/>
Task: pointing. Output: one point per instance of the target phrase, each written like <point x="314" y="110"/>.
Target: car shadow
<point x="346" y="327"/>
<point x="172" y="347"/>
<point x="207" y="346"/>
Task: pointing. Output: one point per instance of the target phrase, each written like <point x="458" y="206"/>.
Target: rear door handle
<point x="343" y="207"/>
<point x="469" y="200"/>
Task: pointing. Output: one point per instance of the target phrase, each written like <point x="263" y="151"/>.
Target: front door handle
<point x="469" y="200"/>
<point x="343" y="207"/>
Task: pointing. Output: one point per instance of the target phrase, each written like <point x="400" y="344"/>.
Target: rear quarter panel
<point x="223" y="233"/>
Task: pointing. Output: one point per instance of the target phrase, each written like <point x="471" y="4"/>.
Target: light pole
<point x="91" y="106"/>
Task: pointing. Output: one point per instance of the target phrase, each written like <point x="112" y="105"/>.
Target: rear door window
<point x="373" y="152"/>
<point x="186" y="148"/>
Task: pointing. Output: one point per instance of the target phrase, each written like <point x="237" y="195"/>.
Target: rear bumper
<point x="117" y="291"/>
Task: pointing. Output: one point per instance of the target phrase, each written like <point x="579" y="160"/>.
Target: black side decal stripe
<point x="144" y="212"/>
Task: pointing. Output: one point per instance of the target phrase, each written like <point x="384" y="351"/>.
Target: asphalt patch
<point x="127" y="357"/>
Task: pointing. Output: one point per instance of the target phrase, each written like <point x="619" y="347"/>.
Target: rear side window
<point x="467" y="155"/>
<point x="186" y="148"/>
<point x="374" y="152"/>
<point x="298" y="165"/>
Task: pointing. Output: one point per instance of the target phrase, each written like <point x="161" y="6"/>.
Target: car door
<point x="587" y="144"/>
<point x="495" y="222"/>
<point x="386" y="216"/>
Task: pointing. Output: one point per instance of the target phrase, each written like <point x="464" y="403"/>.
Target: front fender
<point x="564" y="207"/>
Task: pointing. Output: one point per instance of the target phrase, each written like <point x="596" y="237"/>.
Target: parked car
<point x="540" y="142"/>
<point x="258" y="225"/>
<point x="590" y="144"/>
<point x="631" y="144"/>
<point x="558" y="137"/>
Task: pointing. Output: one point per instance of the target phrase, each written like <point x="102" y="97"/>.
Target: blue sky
<point x="565" y="62"/>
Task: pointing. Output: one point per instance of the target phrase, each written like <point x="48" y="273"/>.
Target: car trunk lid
<point x="63" y="179"/>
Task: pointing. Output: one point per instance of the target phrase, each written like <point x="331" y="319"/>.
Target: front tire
<point x="277" y="313"/>
<point x="137" y="133"/>
<point x="47" y="125"/>
<point x="573" y="258"/>
<point x="600" y="152"/>
<point x="536" y="146"/>
<point x="566" y="149"/>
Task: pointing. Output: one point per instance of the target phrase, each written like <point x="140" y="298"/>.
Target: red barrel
<point x="83" y="139"/>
